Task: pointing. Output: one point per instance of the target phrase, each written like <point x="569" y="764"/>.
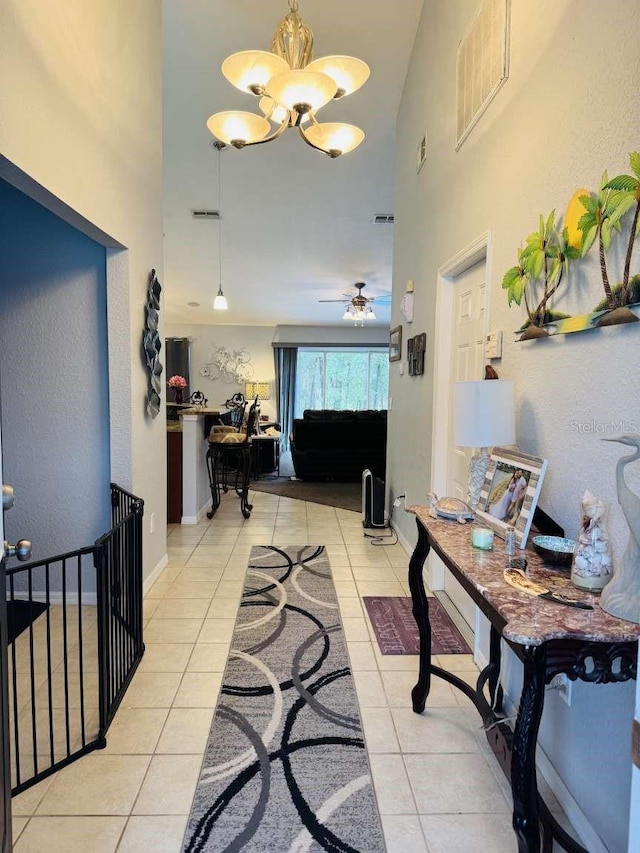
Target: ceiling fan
<point x="358" y="308"/>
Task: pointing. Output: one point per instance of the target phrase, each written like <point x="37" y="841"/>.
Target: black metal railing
<point x="75" y="640"/>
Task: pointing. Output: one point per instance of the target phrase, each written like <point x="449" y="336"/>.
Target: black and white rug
<point x="285" y="768"/>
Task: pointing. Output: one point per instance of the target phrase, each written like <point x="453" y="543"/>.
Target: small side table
<point x="265" y="454"/>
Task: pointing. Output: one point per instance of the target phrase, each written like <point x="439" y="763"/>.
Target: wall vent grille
<point x="383" y="219"/>
<point x="205" y="214"/>
<point x="482" y="64"/>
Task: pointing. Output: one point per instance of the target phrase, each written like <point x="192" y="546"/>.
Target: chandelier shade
<point x="296" y="86"/>
<point x="347" y="72"/>
<point x="334" y="138"/>
<point x="251" y="70"/>
<point x="238" y="128"/>
<point x="301" y="91"/>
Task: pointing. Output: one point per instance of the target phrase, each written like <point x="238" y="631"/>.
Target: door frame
<point x="480" y="249"/>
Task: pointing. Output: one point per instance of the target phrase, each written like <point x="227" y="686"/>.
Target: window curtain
<point x="286" y="359"/>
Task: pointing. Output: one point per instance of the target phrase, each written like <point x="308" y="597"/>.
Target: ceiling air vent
<point x="383" y="219"/>
<point x="205" y="214"/>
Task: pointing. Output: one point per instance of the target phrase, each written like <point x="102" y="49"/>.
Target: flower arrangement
<point x="177" y="382"/>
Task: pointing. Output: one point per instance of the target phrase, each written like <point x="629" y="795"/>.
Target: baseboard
<point x="154" y="575"/>
<point x="402" y="540"/>
<point x="89" y="599"/>
<point x="456" y="617"/>
<point x="196" y="519"/>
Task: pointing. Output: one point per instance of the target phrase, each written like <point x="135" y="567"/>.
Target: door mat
<point x="397" y="633"/>
<point x="20" y="614"/>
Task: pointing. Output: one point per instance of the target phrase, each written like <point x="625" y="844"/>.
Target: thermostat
<point x="493" y="345"/>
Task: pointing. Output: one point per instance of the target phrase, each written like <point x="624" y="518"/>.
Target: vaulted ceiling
<point x="297" y="226"/>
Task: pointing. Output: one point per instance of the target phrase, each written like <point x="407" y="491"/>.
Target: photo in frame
<point x="416" y="347"/>
<point x="510" y="492"/>
<point x="395" y="344"/>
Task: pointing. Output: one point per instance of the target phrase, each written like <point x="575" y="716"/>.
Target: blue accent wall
<point x="54" y="392"/>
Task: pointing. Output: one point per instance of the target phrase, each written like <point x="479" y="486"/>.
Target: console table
<point x="549" y="639"/>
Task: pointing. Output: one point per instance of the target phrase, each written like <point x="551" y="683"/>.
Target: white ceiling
<point x="296" y="225"/>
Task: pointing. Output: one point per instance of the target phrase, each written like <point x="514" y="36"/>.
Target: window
<point x="351" y="378"/>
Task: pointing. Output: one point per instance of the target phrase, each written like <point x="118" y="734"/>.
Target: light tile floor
<point x="439" y="788"/>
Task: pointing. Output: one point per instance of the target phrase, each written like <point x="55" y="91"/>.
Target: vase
<point x="178" y="396"/>
<point x="591" y="568"/>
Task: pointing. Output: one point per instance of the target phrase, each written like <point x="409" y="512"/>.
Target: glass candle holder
<point x="482" y="537"/>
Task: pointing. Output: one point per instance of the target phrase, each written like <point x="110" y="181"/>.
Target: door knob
<point x="7" y="496"/>
<point x="21" y="550"/>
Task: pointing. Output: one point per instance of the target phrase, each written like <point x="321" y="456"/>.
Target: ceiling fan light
<point x="369" y="314"/>
<point x="251" y="70"/>
<point x="347" y="72"/>
<point x="220" y="302"/>
<point x="334" y="138"/>
<point x="302" y="91"/>
<point x="238" y="128"/>
<point x="347" y="315"/>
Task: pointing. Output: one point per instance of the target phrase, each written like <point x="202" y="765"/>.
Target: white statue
<point x="621" y="597"/>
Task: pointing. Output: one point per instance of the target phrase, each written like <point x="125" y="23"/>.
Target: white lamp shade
<point x="484" y="413"/>
<point x="294" y="88"/>
<point x="333" y="136"/>
<point x="347" y="72"/>
<point x="249" y="69"/>
<point x="235" y="126"/>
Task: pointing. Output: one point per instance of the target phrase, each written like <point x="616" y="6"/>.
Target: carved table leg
<point x="421" y="615"/>
<point x="523" y="757"/>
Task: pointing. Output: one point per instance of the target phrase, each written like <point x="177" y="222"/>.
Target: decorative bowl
<point x="555" y="550"/>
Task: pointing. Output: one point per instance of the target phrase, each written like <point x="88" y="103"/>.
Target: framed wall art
<point x="510" y="492"/>
<point x="395" y="344"/>
<point x="416" y="347"/>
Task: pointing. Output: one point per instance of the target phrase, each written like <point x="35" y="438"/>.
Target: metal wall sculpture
<point x="229" y="366"/>
<point x="152" y="344"/>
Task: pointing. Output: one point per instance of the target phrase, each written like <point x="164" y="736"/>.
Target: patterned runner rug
<point x="285" y="767"/>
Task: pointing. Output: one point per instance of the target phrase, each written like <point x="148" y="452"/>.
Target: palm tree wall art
<point x="545" y="261"/>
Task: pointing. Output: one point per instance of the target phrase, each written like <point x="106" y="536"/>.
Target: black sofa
<point x="331" y="444"/>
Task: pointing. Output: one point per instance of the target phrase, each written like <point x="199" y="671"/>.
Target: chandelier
<point x="291" y="87"/>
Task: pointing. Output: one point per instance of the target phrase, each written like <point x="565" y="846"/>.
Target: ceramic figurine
<point x="621" y="597"/>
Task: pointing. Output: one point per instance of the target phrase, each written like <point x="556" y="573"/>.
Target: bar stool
<point x="229" y="461"/>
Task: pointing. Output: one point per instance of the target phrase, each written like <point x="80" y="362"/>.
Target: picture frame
<point x="416" y="347"/>
<point x="395" y="344"/>
<point x="510" y="492"/>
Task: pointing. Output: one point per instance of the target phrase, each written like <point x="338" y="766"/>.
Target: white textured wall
<point x="566" y="113"/>
<point x="204" y="340"/>
<point x="82" y="117"/>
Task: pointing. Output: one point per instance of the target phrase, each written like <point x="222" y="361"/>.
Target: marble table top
<point x="530" y="621"/>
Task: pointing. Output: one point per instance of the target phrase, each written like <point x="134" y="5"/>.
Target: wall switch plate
<point x="401" y="369"/>
<point x="493" y="345"/>
<point x="152" y="522"/>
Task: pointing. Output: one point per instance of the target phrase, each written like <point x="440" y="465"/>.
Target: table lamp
<point x="483" y="417"/>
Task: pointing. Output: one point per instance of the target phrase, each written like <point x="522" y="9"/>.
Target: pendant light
<point x="220" y="301"/>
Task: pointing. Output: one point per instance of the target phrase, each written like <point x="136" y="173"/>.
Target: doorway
<point x="462" y="309"/>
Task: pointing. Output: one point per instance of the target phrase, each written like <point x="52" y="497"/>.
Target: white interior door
<point x="467" y="361"/>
